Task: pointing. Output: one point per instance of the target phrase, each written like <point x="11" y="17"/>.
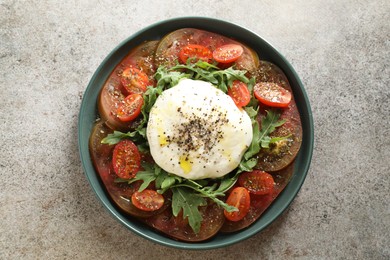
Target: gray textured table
<point x="48" y="53"/>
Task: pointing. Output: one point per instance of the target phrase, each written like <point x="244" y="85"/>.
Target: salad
<point x="196" y="135"/>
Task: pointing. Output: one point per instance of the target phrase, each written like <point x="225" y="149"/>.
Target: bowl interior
<point x="88" y="115"/>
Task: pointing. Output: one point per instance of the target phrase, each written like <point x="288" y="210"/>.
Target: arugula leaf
<point x="209" y="192"/>
<point x="226" y="183"/>
<point x="202" y="70"/>
<point x="146" y="176"/>
<point x="116" y="137"/>
<point x="167" y="78"/>
<point x="189" y="202"/>
<point x="165" y="181"/>
<point x="268" y="125"/>
<point x="247" y="165"/>
<point x="261" y="138"/>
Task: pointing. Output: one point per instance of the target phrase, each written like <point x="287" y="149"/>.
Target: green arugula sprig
<point x="261" y="137"/>
<point x="189" y="195"/>
<point x="205" y="71"/>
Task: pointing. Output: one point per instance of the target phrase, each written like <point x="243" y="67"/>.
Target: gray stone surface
<point x="48" y="53"/>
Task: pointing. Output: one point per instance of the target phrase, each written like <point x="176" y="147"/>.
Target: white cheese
<point x="196" y="131"/>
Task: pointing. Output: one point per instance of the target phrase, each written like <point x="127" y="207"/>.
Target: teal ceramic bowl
<point x="88" y="115"/>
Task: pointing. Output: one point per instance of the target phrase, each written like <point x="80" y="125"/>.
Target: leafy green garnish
<point x="189" y="195"/>
<point x="202" y="70"/>
<point x="261" y="137"/>
<point x="189" y="202"/>
<point x="116" y="136"/>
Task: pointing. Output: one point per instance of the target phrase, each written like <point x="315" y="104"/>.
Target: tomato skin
<point x="257" y="182"/>
<point x="239" y="93"/>
<point x="168" y="49"/>
<point x="134" y="81"/>
<point x="126" y="159"/>
<point x="278" y="157"/>
<point x="130" y="108"/>
<point x="259" y="203"/>
<point x="178" y="228"/>
<point x="147" y="200"/>
<point x="120" y="193"/>
<point x="199" y="52"/>
<point x="272" y="94"/>
<point x="228" y="53"/>
<point x="240" y="199"/>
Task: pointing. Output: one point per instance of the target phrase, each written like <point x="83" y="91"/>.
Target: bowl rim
<point x="216" y="25"/>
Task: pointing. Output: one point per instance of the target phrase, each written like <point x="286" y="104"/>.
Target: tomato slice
<point x="134" y="81"/>
<point x="120" y="193"/>
<point x="282" y="153"/>
<point x="239" y="93"/>
<point x="178" y="228"/>
<point x="259" y="203"/>
<point x="130" y="108"/>
<point x="169" y="48"/>
<point x="272" y="94"/>
<point x="257" y="182"/>
<point x="199" y="52"/>
<point x="240" y="199"/>
<point x="148" y="200"/>
<point x="228" y="53"/>
<point x="126" y="159"/>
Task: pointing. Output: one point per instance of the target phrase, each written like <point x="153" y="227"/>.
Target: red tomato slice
<point x="240" y="199"/>
<point x="130" y="108"/>
<point x="239" y="93"/>
<point x="272" y="94"/>
<point x="178" y="228"/>
<point x="257" y="182"/>
<point x="148" y="200"/>
<point x="126" y="159"/>
<point x="134" y="81"/>
<point x="228" y="53"/>
<point x="196" y="51"/>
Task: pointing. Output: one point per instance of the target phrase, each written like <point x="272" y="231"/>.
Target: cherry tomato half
<point x="126" y="159"/>
<point x="130" y="108"/>
<point x="240" y="199"/>
<point x="199" y="52"/>
<point x="148" y="200"/>
<point x="228" y="53"/>
<point x="134" y="81"/>
<point x="239" y="93"/>
<point x="272" y="94"/>
<point x="257" y="182"/>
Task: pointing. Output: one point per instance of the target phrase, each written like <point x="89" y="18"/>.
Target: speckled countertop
<point x="48" y="53"/>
